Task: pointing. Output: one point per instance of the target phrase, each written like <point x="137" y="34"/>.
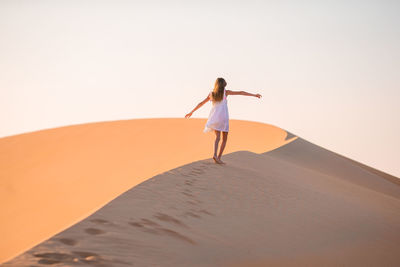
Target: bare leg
<point x="221" y="150"/>
<point x="217" y="138"/>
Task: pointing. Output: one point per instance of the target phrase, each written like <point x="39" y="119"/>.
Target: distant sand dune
<point x="296" y="205"/>
<point x="308" y="155"/>
<point x="53" y="178"/>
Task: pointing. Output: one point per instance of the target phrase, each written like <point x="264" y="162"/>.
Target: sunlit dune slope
<point x="51" y="179"/>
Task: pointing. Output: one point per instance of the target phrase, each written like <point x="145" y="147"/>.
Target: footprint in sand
<point x="143" y="222"/>
<point x="88" y="257"/>
<point x="137" y="224"/>
<point x="70" y="259"/>
<point x="187" y="194"/>
<point x="176" y="235"/>
<point x="100" y="221"/>
<point x="189" y="182"/>
<point x="149" y="226"/>
<point x="68" y="241"/>
<point x="168" y="218"/>
<point x="53" y="258"/>
<point x="94" y="231"/>
<point x="196" y="172"/>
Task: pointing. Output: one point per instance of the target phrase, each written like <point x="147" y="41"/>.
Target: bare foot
<point x="217" y="160"/>
<point x="221" y="162"/>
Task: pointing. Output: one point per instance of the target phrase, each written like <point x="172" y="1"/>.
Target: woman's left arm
<point x="229" y="92"/>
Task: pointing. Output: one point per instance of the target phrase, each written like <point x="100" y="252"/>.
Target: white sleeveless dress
<point x="218" y="119"/>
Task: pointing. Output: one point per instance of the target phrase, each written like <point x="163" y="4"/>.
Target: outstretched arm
<point x="198" y="106"/>
<point x="229" y="92"/>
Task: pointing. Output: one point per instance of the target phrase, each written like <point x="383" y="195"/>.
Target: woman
<point x="218" y="119"/>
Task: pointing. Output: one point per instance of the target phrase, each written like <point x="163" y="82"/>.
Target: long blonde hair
<point x="218" y="92"/>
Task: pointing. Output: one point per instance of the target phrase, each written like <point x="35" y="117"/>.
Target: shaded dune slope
<point x="297" y="205"/>
<point x="308" y="155"/>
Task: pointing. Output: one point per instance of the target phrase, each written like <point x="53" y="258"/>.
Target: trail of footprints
<point x="69" y="258"/>
<point x="144" y="224"/>
<point x="150" y="226"/>
<point x="74" y="257"/>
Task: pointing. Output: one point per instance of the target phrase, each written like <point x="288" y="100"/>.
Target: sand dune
<point x="297" y="205"/>
<point x="53" y="178"/>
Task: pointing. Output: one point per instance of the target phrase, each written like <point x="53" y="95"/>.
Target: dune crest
<point x="53" y="178"/>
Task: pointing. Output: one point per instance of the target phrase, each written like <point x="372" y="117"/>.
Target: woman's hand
<point x="258" y="95"/>
<point x="188" y="115"/>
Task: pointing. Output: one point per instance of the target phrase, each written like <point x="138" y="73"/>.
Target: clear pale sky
<point x="329" y="71"/>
